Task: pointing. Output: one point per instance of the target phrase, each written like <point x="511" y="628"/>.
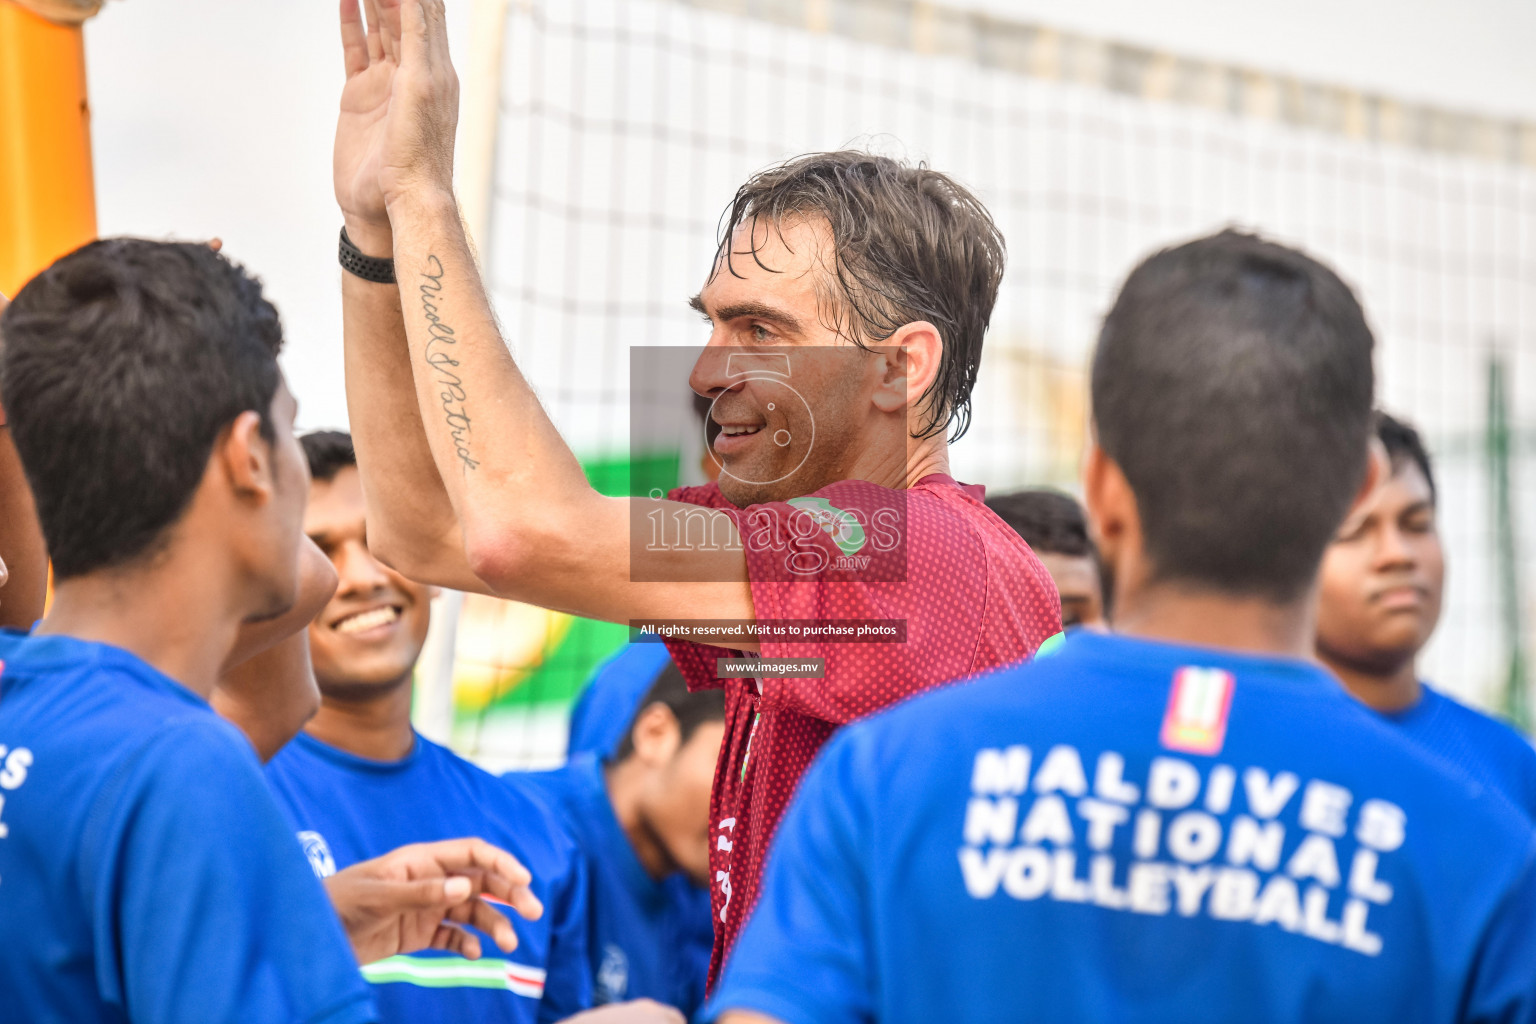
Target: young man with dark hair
<point x="865" y="283"/>
<point x="641" y="820"/>
<point x="148" y="874"/>
<point x="1055" y="527"/>
<point x="360" y="780"/>
<point x="1189" y="819"/>
<point x="1380" y="591"/>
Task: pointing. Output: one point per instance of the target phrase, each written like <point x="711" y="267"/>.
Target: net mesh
<point x="626" y="125"/>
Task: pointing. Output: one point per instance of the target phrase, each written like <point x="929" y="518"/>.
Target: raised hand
<point x="419" y="896"/>
<point x="399" y="113"/>
<point x="371" y="57"/>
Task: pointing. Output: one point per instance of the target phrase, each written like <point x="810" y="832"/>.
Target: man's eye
<point x="760" y="333"/>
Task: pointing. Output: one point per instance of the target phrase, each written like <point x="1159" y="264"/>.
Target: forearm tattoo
<point x="439" y="356"/>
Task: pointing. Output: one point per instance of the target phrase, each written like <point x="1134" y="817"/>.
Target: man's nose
<point x="711" y="371"/>
<point x="1394" y="549"/>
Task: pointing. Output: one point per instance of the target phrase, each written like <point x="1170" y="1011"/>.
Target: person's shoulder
<point x="706" y="495"/>
<point x="1488" y="731"/>
<point x="96" y="675"/>
<point x="199" y="750"/>
<point x="192" y="776"/>
<point x="1486" y="746"/>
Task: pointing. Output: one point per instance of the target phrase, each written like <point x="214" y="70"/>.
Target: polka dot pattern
<point x="973" y="596"/>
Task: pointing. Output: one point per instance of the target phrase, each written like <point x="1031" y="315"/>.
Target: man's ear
<point x="655" y="734"/>
<point x="913" y="357"/>
<point x="1111" y="505"/>
<point x="246" y="457"/>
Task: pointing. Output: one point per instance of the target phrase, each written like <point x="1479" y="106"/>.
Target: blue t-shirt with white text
<point x="145" y="873"/>
<point x="649" y="938"/>
<point x="1131" y="830"/>
<point x="348" y="809"/>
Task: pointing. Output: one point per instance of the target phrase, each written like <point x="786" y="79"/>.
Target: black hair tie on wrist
<point x="369" y="268"/>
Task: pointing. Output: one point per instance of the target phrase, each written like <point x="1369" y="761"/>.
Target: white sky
<point x="216" y="118"/>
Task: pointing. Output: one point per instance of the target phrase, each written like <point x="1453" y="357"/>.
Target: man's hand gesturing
<point x="399" y="112"/>
<point x="417" y="896"/>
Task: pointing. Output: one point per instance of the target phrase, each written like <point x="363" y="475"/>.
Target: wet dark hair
<point x="1404" y="445"/>
<point x="911" y="244"/>
<point x="122" y="364"/>
<point x="690" y="709"/>
<point x="329" y="452"/>
<point x="1232" y="385"/>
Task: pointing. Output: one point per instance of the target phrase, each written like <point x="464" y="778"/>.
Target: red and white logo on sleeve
<point x="1198" y="704"/>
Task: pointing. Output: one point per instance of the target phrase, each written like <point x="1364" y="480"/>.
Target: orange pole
<point x="47" y="195"/>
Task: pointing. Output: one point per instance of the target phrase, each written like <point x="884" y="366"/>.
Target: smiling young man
<point x="1188" y="820"/>
<point x="1382" y="581"/>
<point x="847" y="307"/>
<point x="360" y="781"/>
<point x="148" y="875"/>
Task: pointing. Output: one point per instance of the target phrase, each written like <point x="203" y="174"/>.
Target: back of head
<point x="1049" y="521"/>
<point x="123" y="362"/>
<point x="691" y="708"/>
<point x="911" y="244"/>
<point x="1232" y="385"/>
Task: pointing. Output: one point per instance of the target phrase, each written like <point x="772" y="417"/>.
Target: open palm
<point x="363" y="126"/>
<point x="399" y="108"/>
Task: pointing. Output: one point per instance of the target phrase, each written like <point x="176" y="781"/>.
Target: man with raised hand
<point x="147" y="873"/>
<point x="1379" y="602"/>
<point x="847" y="306"/>
<point x="1189" y="820"/>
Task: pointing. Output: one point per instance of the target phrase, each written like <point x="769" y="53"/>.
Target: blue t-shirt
<point x="1480" y="745"/>
<point x="1131" y="830"/>
<point x="145" y="873"/>
<point x="348" y="809"/>
<point x="649" y="939"/>
<point x="602" y="714"/>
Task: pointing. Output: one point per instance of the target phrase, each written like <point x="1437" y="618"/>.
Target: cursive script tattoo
<point x="440" y="358"/>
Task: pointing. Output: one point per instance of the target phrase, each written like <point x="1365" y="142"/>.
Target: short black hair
<point x="123" y="362"/>
<point x="329" y="452"/>
<point x="1404" y="445"/>
<point x="911" y="244"/>
<point x="691" y="709"/>
<point x="1047" y="520"/>
<point x="1232" y="384"/>
<point x="1054" y="522"/>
